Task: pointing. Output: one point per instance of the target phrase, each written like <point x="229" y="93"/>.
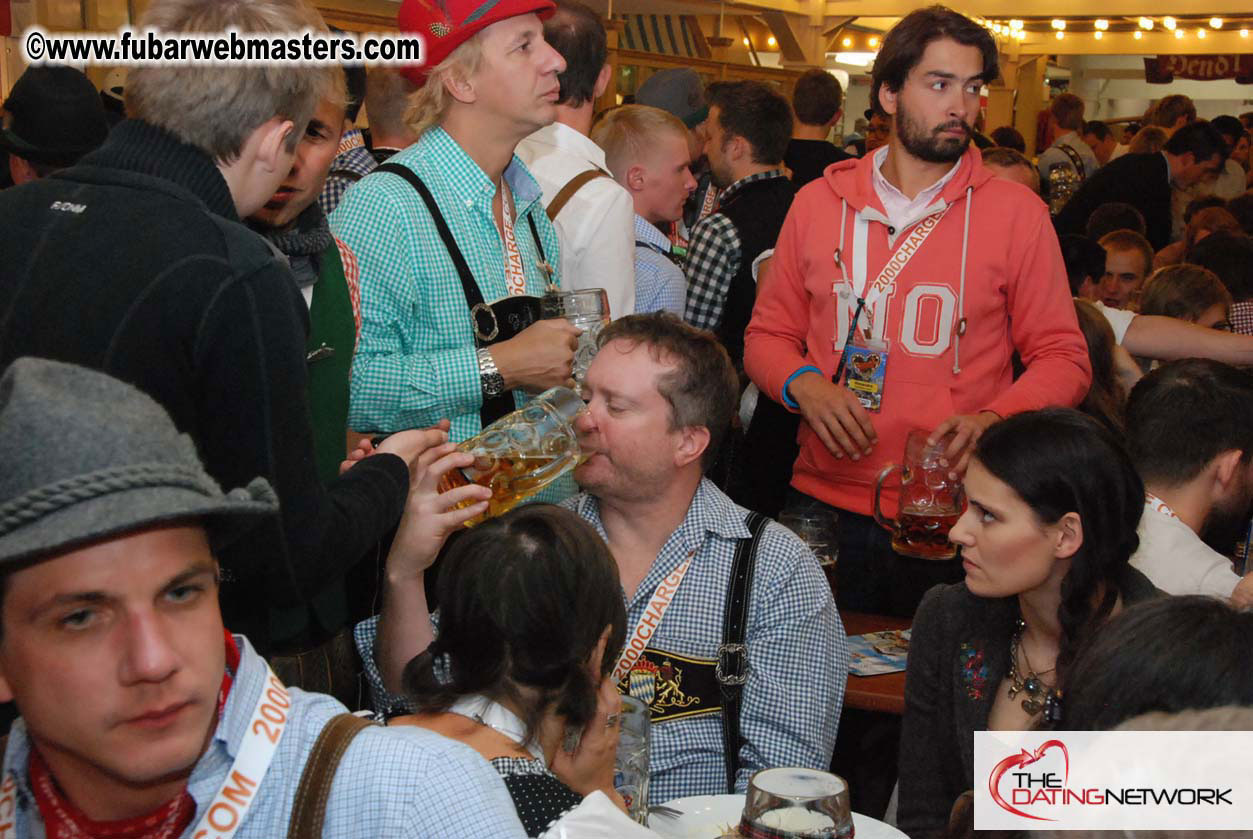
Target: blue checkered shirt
<point x="797" y="654"/>
<point x="659" y="283"/>
<point x="352" y="157"/>
<point x="415" y="362"/>
<point x="401" y="782"/>
<point x="713" y="258"/>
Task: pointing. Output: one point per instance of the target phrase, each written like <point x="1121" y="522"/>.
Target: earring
<point x="571" y="739"/>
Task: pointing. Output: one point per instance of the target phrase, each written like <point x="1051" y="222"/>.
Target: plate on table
<point x="708" y="816"/>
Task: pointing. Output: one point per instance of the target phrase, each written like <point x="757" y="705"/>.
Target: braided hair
<point x="1060" y="461"/>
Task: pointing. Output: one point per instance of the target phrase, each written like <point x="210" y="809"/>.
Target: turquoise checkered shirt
<point x="415" y="361"/>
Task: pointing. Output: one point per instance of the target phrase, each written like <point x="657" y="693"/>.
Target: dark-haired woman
<point x="1053" y="504"/>
<point x="530" y="619"/>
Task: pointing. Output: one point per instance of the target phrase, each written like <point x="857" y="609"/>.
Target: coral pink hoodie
<point x="992" y="262"/>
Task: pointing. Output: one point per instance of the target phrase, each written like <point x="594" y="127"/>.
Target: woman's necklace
<point x="1037" y="696"/>
<point x="498" y="718"/>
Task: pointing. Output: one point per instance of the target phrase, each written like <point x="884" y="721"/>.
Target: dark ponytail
<point x="524" y="599"/>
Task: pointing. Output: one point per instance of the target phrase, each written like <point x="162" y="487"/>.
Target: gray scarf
<point x="303" y="244"/>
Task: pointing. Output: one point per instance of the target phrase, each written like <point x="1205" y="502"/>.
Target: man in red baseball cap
<point x="450" y="234"/>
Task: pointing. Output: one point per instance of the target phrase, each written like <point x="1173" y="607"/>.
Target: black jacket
<point x="134" y="262"/>
<point x="958" y="655"/>
<point x="1141" y="180"/>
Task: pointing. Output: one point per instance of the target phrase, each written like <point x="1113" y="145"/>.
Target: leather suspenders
<point x="488" y="328"/>
<point x="732" y="669"/>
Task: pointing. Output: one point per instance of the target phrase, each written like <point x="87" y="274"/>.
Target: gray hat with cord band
<point x="87" y="457"/>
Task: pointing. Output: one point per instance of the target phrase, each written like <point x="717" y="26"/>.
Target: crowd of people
<point x="241" y="338"/>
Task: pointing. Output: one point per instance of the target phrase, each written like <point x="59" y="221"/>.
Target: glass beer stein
<point x="930" y="503"/>
<point x="586" y="308"/>
<point x="523" y="452"/>
<point x="787" y="803"/>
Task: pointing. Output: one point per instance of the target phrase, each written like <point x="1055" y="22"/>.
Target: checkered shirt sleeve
<point x="415" y="362"/>
<point x="1242" y="318"/>
<point x="713" y="257"/>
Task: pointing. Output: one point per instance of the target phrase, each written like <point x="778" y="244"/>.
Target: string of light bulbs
<point x="1015" y="28"/>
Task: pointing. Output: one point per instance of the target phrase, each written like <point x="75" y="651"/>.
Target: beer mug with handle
<point x="523" y="452"/>
<point x="586" y="308"/>
<point x="930" y="502"/>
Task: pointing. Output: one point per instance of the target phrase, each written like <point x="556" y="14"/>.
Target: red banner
<point x="1204" y="68"/>
<point x="6" y="19"/>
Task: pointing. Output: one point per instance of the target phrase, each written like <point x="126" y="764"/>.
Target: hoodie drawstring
<point x="961" y="287"/>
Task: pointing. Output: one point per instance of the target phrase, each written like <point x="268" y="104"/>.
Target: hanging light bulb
<point x="848" y="42"/>
<point x="1244" y="33"/>
<point x="1146" y="23"/>
<point x="772" y="41"/>
<point x="1059" y="34"/>
<point x="1101" y="24"/>
<point x="1015" y="25"/>
<point x="1216" y="23"/>
<point x="1200" y="33"/>
<point x="1098" y="34"/>
<point x="745" y="41"/>
<point x="873" y="42"/>
<point x="1178" y="33"/>
<point x="1059" y="24"/>
<point x="1168" y="22"/>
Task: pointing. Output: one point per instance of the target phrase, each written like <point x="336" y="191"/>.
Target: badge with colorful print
<point x="866" y="369"/>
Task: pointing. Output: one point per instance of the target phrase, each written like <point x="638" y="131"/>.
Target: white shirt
<point x="1175" y="559"/>
<point x="1119" y="319"/>
<point x="597" y="225"/>
<point x="900" y="209"/>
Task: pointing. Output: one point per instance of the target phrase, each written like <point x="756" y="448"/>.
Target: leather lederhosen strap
<point x="493" y="322"/>
<point x="732" y="670"/>
<point x="1080" y="169"/>
<point x="572" y="186"/>
<point x="309" y="806"/>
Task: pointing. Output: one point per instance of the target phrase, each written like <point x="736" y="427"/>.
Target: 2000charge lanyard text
<point x="638" y="640"/>
<point x="265" y="727"/>
<point x="857" y="282"/>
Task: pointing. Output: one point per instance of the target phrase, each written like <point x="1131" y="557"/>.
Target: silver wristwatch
<point x="490" y="380"/>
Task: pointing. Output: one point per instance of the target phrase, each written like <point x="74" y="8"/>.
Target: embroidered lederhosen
<point x="679" y="686"/>
<point x="492" y="322"/>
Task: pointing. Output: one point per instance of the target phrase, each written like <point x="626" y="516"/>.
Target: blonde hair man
<point x="451" y="235"/>
<point x="647" y="151"/>
<point x="197" y="310"/>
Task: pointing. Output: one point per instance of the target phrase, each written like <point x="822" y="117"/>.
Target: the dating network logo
<point x="1113" y="780"/>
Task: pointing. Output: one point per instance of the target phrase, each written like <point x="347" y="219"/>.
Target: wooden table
<point x="885" y="693"/>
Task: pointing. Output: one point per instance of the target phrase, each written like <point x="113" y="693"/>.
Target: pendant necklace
<point x="1037" y="695"/>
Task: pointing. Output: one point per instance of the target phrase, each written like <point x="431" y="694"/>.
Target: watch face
<point x="493" y="384"/>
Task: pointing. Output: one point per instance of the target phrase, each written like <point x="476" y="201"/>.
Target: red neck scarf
<point x="62" y="820"/>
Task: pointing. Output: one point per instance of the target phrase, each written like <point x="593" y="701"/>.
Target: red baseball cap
<point x="447" y="24"/>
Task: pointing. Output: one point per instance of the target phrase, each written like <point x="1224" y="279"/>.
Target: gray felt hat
<point x="679" y="91"/>
<point x="84" y="457"/>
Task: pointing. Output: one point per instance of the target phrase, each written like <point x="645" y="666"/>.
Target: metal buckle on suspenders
<point x="732" y="667"/>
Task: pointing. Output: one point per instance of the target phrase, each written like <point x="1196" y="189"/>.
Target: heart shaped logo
<point x="1025" y="758"/>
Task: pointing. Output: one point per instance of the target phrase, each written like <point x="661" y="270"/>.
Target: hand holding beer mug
<point x="930" y="501"/>
<point x="586" y="308"/>
<point x="521" y="453"/>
